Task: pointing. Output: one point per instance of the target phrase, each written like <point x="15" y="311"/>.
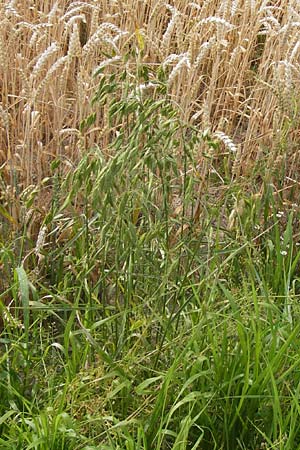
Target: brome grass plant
<point x="149" y="240"/>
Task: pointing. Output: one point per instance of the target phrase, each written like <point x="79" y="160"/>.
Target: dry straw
<point x="232" y="65"/>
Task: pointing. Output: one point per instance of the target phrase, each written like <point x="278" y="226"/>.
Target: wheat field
<point x="149" y="225"/>
<point x="233" y="69"/>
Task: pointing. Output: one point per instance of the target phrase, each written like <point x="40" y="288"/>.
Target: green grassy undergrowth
<point x="130" y="322"/>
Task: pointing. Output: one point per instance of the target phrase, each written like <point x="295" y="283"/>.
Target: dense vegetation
<point x="149" y="240"/>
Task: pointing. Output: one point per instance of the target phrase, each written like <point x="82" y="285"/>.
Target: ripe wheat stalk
<point x="232" y="65"/>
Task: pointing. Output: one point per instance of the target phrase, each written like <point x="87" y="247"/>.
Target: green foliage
<point x="130" y="325"/>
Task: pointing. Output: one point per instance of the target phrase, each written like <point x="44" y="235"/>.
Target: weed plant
<point x="153" y="310"/>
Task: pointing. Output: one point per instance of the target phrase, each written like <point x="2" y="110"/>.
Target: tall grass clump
<point x="147" y="312"/>
<point x="149" y="239"/>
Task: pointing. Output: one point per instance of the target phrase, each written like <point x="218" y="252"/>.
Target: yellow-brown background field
<point x="233" y="68"/>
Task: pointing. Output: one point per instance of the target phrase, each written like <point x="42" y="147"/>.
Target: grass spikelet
<point x="236" y="166"/>
<point x="81" y="89"/>
<point x="165" y="43"/>
<point x="11" y="10"/>
<point x="61" y="62"/>
<point x="43" y="58"/>
<point x="234" y="8"/>
<point x="40" y="242"/>
<point x="33" y="39"/>
<point x="172" y="58"/>
<point x="229" y="144"/>
<point x="3" y="53"/>
<point x="107" y="62"/>
<point x="71" y="131"/>
<point x="4" y="117"/>
<point x="155" y="10"/>
<point x="195" y="6"/>
<point x="74" y="44"/>
<point x="41" y="43"/>
<point x="237" y="51"/>
<point x="64" y="75"/>
<point x="26" y="85"/>
<point x="204" y="49"/>
<point x="217" y="21"/>
<point x="94" y="20"/>
<point x="206" y="112"/>
<point x="183" y="62"/>
<point x="102" y="35"/>
<point x="294" y="50"/>
<point x="74" y="12"/>
<point x="54" y="13"/>
<point x="76" y="19"/>
<point x="224" y="9"/>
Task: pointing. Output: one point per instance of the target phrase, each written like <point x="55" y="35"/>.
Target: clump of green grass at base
<point x="132" y="324"/>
